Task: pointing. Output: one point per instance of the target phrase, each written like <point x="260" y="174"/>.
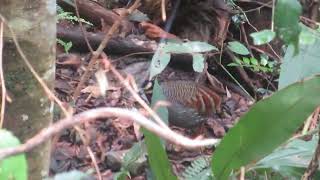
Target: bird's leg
<point x="153" y="31"/>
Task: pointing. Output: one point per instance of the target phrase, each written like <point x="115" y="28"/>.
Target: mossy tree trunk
<point x="30" y="110"/>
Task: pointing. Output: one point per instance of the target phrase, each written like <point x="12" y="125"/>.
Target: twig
<point x="102" y="45"/>
<point x="81" y="27"/>
<point x="82" y="117"/>
<point x="135" y="95"/>
<point x="314" y="163"/>
<point x="2" y="82"/>
<point x="94" y="161"/>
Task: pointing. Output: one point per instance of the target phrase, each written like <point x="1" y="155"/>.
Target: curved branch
<point x="106" y="112"/>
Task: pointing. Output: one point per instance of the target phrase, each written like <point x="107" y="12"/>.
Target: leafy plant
<point x="268" y="124"/>
<point x="263" y="37"/>
<point x="135" y="152"/>
<point x="74" y="174"/>
<point x="287" y="21"/>
<point x="198" y="170"/>
<point x="66" y="45"/>
<point x="162" y="56"/>
<point x="252" y="63"/>
<point x="62" y="15"/>
<point x="238" y="48"/>
<point x="14" y="167"/>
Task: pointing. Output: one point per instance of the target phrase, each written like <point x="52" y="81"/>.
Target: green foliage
<point x="158" y="158"/>
<point x="162" y="56"/>
<point x="238" y="48"/>
<point x="286" y="21"/>
<point x="308" y="36"/>
<point x="198" y="62"/>
<point x="268" y="124"/>
<point x="297" y="67"/>
<point x="62" y="15"/>
<point x="289" y="161"/>
<point x="14" y="167"/>
<point x="198" y="170"/>
<point x="66" y="45"/>
<point x="74" y="175"/>
<point x="252" y="63"/>
<point x="262" y="37"/>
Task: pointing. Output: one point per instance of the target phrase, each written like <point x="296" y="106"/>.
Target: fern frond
<point x="199" y="169"/>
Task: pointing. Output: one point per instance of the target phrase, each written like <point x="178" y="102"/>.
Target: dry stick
<point x="314" y="163"/>
<point x="105" y="112"/>
<point x="102" y="45"/>
<point x="2" y="82"/>
<point x="81" y="27"/>
<point x="136" y="95"/>
<point x="94" y="161"/>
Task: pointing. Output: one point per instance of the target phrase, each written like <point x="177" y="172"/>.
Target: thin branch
<point x="135" y="95"/>
<point x="102" y="45"/>
<point x="60" y="125"/>
<point x="2" y="82"/>
<point x="81" y="27"/>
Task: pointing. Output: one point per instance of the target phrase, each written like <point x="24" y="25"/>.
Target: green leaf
<point x="233" y="64"/>
<point x="158" y="158"/>
<point x="134" y="153"/>
<point x="198" y="47"/>
<point x="157" y="95"/>
<point x="188" y="47"/>
<point x="296" y="153"/>
<point x="74" y="175"/>
<point x="122" y="175"/>
<point x="175" y="47"/>
<point x="263" y="61"/>
<point x="198" y="62"/>
<point x="14" y="167"/>
<point x="268" y="124"/>
<point x="159" y="61"/>
<point x="286" y="21"/>
<point x="254" y="61"/>
<point x="262" y="37"/>
<point x="246" y="60"/>
<point x="305" y="64"/>
<point x="291" y="159"/>
<point x="238" y="48"/>
<point x="308" y="36"/>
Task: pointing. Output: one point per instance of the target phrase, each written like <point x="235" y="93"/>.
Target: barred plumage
<point x="191" y="103"/>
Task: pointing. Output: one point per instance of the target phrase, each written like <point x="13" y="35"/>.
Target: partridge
<point x="190" y="103"/>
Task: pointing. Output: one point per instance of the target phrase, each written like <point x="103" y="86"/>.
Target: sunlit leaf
<point x="287" y="13"/>
<point x="198" y="62"/>
<point x="269" y="123"/>
<point x="238" y="48"/>
<point x="159" y="61"/>
<point x="14" y="167"/>
<point x="74" y="175"/>
<point x="262" y="37"/>
<point x="305" y="64"/>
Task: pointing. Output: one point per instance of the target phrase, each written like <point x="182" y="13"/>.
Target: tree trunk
<point x="33" y="22"/>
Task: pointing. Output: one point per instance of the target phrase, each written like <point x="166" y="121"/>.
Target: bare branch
<point x="48" y="132"/>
